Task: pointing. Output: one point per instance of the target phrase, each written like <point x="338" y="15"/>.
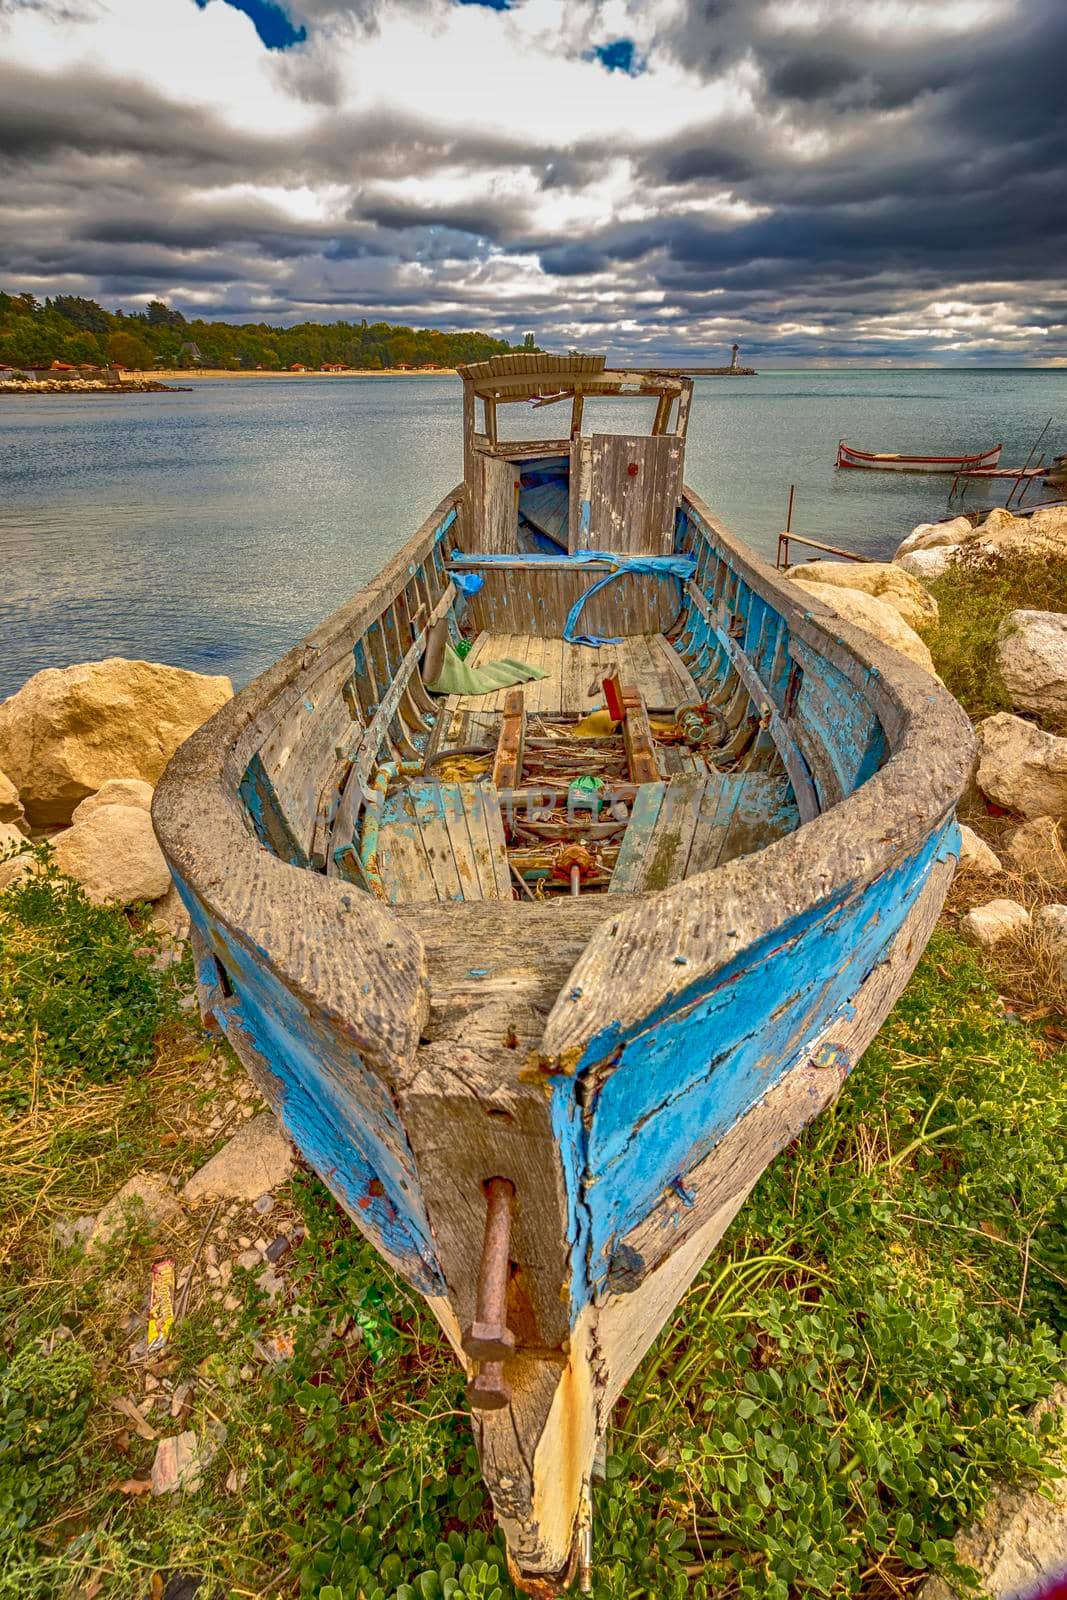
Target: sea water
<point x="213" y="529"/>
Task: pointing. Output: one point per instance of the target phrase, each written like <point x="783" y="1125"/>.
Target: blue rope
<point x="679" y="567"/>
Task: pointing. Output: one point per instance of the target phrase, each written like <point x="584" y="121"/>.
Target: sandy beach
<point x="309" y="372"/>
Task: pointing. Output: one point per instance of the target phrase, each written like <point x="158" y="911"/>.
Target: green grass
<point x="974" y="596"/>
<point x="843" y="1385"/>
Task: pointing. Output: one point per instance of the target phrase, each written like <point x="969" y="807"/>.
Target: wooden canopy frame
<point x="549" y="380"/>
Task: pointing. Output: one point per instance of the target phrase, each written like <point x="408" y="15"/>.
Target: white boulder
<point x="879" y="578"/>
<point x="146" y="1197"/>
<point x="934" y="535"/>
<point x="1022" y="768"/>
<point x="114" y="856"/>
<point x="868" y="612"/>
<point x="926" y="565"/>
<point x="116" y="792"/>
<point x="1032" y="658"/>
<point x="998" y="919"/>
<point x="10" y="805"/>
<point x="258" y="1158"/>
<point x="976" y="854"/>
<point x="1035" y="850"/>
<point x="67" y="731"/>
<point x="1044" y="534"/>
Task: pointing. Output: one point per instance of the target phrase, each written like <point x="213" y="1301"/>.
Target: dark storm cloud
<point x="847" y="180"/>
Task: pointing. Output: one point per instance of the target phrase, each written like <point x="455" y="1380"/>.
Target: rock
<point x="180" y="1461"/>
<point x="1035" y="850"/>
<point x="15" y="863"/>
<point x="996" y="521"/>
<point x="67" y="731"/>
<point x="1044" y="534"/>
<point x="71" y="1232"/>
<point x="976" y="854"/>
<point x="264" y="1204"/>
<point x="144" y="1196"/>
<point x="15" y="868"/>
<point x="1020" y="1543"/>
<point x="10" y="805"/>
<point x="1021" y="767"/>
<point x="868" y="612"/>
<point x="258" y="1157"/>
<point x="114" y="855"/>
<point x="998" y="919"/>
<point x="882" y="579"/>
<point x="1050" y="924"/>
<point x="270" y="1283"/>
<point x="116" y="792"/>
<point x="249" y="1259"/>
<point x="935" y="535"/>
<point x="170" y="916"/>
<point x="926" y="565"/>
<point x="1032" y="657"/>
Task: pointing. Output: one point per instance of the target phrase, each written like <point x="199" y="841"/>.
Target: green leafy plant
<point x="75" y="994"/>
<point x="845" y="1382"/>
<point x="44" y="1401"/>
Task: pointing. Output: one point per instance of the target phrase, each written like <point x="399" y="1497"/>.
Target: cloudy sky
<point x="818" y="179"/>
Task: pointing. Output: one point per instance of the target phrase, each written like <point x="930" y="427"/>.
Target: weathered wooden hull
<point x="870" y="461"/>
<point x="634" y="1078"/>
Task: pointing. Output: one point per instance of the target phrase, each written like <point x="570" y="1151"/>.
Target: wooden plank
<point x="498" y="531"/>
<point x="428" y="803"/>
<point x="507" y="763"/>
<point x="465" y="833"/>
<point x="637" y="737"/>
<point x="401" y="856"/>
<point x="721" y="794"/>
<point x="667" y="858"/>
<point x="634" y="510"/>
<point x="553" y="681"/>
<point x="485" y="826"/>
<point x="636" y="841"/>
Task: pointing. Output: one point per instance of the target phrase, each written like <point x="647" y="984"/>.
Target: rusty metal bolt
<point x="489" y="1338"/>
<point x="489" y="1390"/>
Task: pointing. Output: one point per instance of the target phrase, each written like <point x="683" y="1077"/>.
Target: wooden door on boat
<point x="499" y="507"/>
<point x="634" y="485"/>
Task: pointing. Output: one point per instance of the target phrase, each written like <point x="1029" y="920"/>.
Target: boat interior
<point x="673" y="723"/>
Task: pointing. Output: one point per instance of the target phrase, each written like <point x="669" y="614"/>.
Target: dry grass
<point x="974" y="596"/>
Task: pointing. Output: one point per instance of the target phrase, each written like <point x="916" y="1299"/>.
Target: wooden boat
<point x="545" y="1106"/>
<point x="868" y="462"/>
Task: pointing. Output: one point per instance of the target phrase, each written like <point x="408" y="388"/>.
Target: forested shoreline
<point x="79" y="332"/>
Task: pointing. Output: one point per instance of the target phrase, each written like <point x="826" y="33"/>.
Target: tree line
<point x="80" y="332"/>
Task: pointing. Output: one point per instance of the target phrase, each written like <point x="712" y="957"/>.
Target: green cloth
<point x="459" y="677"/>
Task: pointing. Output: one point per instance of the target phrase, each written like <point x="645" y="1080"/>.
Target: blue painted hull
<point x="630" y="1067"/>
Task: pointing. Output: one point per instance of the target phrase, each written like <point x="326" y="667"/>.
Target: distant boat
<point x="869" y="461"/>
<point x="540" y="985"/>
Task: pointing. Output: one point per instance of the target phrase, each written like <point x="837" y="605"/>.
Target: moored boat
<point x="541" y="956"/>
<point x="869" y="461"/>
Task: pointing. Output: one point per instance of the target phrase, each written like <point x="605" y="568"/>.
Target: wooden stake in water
<point x="1027" y="462"/>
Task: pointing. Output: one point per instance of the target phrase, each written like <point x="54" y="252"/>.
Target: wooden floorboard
<point x="571" y="686"/>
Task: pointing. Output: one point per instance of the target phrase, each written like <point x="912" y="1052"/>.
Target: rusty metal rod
<point x="489" y="1338"/>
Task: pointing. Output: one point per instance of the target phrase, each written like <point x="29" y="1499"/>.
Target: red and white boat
<point x="869" y="461"/>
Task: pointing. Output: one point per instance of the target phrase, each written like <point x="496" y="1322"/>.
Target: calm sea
<point x="212" y="529"/>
